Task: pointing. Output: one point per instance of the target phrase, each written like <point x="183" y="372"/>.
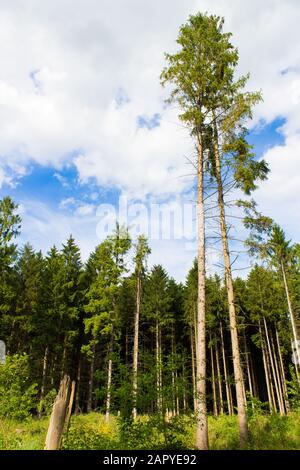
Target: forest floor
<point x="90" y="432"/>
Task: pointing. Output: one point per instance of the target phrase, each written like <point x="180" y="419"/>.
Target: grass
<point x="90" y="431"/>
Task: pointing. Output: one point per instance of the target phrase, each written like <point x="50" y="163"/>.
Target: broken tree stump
<point x="60" y="415"/>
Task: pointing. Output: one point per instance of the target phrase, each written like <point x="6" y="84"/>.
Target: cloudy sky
<point x="83" y="118"/>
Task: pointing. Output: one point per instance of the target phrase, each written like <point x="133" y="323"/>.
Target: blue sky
<point x="83" y="117"/>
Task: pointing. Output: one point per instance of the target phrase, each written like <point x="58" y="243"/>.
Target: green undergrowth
<point x="91" y="432"/>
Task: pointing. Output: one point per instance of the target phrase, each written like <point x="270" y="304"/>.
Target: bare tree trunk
<point x="273" y="368"/>
<point x="109" y="379"/>
<point x="158" y="369"/>
<point x="248" y="368"/>
<point x="219" y="379"/>
<point x="265" y="362"/>
<point x="136" y="346"/>
<point x="173" y="376"/>
<point x="176" y="393"/>
<point x="43" y="387"/>
<point x="78" y="384"/>
<point x="280" y="388"/>
<point x="213" y="381"/>
<point x="228" y="394"/>
<point x="183" y="388"/>
<point x="58" y="416"/>
<point x="91" y="382"/>
<point x="292" y="318"/>
<point x="70" y="406"/>
<point x="241" y="404"/>
<point x="286" y="398"/>
<point x="64" y="358"/>
<point x="201" y="414"/>
<point x="193" y="370"/>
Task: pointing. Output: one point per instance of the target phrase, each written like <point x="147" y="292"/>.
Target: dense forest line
<point x="132" y="339"/>
<point x="62" y="316"/>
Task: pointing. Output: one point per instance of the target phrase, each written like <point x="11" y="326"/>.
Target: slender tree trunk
<point x="109" y="379"/>
<point x="158" y="367"/>
<point x="239" y="382"/>
<point x="283" y="379"/>
<point x="173" y="376"/>
<point x="273" y="368"/>
<point x="201" y="414"/>
<point x="136" y="346"/>
<point x="292" y="318"/>
<point x="248" y="368"/>
<point x="64" y="358"/>
<point x="213" y="382"/>
<point x="271" y="400"/>
<point x="193" y="370"/>
<point x="44" y="376"/>
<point x="91" y="381"/>
<point x="176" y="393"/>
<point x="280" y="388"/>
<point x="78" y="384"/>
<point x="219" y="379"/>
<point x="184" y="401"/>
<point x="227" y="384"/>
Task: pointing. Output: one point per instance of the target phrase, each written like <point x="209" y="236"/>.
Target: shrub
<point x="17" y="394"/>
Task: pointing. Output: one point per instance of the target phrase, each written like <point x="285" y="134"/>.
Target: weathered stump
<point x="60" y="415"/>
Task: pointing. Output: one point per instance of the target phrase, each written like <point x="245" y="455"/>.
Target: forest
<point x="212" y="362"/>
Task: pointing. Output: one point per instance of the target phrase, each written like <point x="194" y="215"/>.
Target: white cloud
<point x="76" y="75"/>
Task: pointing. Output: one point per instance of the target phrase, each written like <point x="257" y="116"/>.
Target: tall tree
<point x="196" y="83"/>
<point x="141" y="252"/>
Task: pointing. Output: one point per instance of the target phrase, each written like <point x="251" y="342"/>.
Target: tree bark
<point x="219" y="380"/>
<point x="136" y="346"/>
<point x="78" y="384"/>
<point x="58" y="416"/>
<point x="213" y="381"/>
<point x="193" y="370"/>
<point x="228" y="391"/>
<point x="279" y="401"/>
<point x="282" y="373"/>
<point x="158" y="369"/>
<point x="272" y="404"/>
<point x="109" y="379"/>
<point x="292" y="318"/>
<point x="201" y="414"/>
<point x="44" y="376"/>
<point x="239" y="382"/>
<point x="91" y="382"/>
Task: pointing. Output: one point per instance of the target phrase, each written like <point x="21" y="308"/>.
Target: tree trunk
<point x="109" y="379"/>
<point x="286" y="398"/>
<point x="201" y="414"/>
<point x="267" y="372"/>
<point x="43" y="387"/>
<point x="273" y="368"/>
<point x="158" y="371"/>
<point x="213" y="382"/>
<point x="241" y="405"/>
<point x="228" y="391"/>
<point x="292" y="318"/>
<point x="136" y="346"/>
<point x="219" y="380"/>
<point x="248" y="368"/>
<point x="59" y="415"/>
<point x="91" y="382"/>
<point x="280" y="387"/>
<point x="193" y="370"/>
<point x="78" y="384"/>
